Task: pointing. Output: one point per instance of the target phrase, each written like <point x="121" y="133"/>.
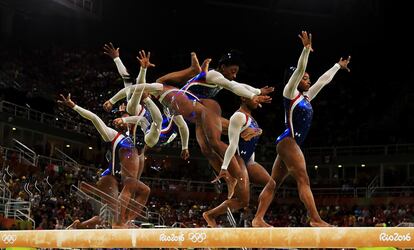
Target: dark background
<point x="266" y="31"/>
<point x="377" y="95"/>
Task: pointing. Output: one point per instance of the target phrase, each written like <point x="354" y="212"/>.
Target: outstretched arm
<point x="215" y="77"/>
<point x="327" y="77"/>
<point x="240" y="89"/>
<point x="254" y="90"/>
<point x="151" y="88"/>
<point x="262" y="91"/>
<point x="107" y="133"/>
<point x="134" y="102"/>
<point x="113" y="53"/>
<point x="117" y="97"/>
<point x="290" y="90"/>
<point x="237" y="121"/>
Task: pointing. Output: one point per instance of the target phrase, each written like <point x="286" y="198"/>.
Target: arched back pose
<point x="184" y="103"/>
<point x="205" y="86"/>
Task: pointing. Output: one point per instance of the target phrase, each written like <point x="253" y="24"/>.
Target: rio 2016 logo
<point x="394" y="237"/>
<point x="197" y="237"/>
<point x="172" y="237"/>
<point x="9" y="238"/>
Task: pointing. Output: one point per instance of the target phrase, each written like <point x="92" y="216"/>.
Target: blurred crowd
<point x="190" y="214"/>
<point x="54" y="204"/>
<point x="47" y="187"/>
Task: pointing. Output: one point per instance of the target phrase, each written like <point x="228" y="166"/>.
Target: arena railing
<point x="406" y="224"/>
<point x="84" y="128"/>
<point x="105" y="212"/>
<point x="372" y="186"/>
<point x="24" y="217"/>
<point x="155" y="218"/>
<point x="50" y="120"/>
<point x="62" y="123"/>
<point x="285" y="192"/>
<point x="25" y="152"/>
<point x="178" y="224"/>
<point x="184" y="185"/>
<point x="391" y="149"/>
<point x="392" y="191"/>
<point x="18" y="210"/>
<point x="65" y="157"/>
<point x="200" y="186"/>
<point x="5" y="153"/>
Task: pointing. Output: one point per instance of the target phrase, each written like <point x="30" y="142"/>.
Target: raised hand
<point x="249" y="133"/>
<point x="110" y="50"/>
<point x="306" y="40"/>
<point x="266" y="90"/>
<point x="262" y="99"/>
<point x="144" y="59"/>
<point x="344" y="63"/>
<point x="66" y="101"/>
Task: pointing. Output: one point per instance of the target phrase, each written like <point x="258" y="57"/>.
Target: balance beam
<point x="293" y="237"/>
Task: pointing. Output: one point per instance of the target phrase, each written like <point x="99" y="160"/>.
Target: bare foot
<point x="259" y="222"/>
<point x="206" y="63"/>
<point x="195" y="65"/>
<point x="320" y="224"/>
<point x="210" y="221"/>
<point x="73" y="225"/>
<point x="231" y="185"/>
